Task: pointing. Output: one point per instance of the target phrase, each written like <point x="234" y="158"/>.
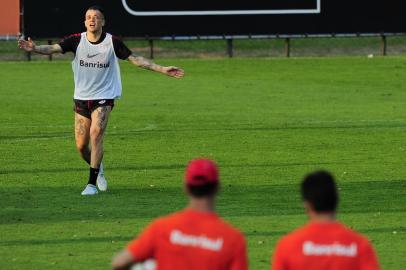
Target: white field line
<point x="220" y="12"/>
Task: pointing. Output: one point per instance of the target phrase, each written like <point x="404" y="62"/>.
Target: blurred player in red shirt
<point x="194" y="238"/>
<point x="323" y="243"/>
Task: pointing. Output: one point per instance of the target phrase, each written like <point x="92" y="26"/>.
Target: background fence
<point x="212" y="28"/>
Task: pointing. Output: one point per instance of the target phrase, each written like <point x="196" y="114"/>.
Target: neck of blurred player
<point x="322" y="217"/>
<point x="94" y="36"/>
<point x="314" y="216"/>
<point x="202" y="204"/>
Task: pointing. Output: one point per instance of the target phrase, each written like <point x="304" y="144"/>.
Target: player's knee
<point x="96" y="134"/>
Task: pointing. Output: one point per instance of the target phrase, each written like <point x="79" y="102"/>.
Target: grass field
<point x="266" y="122"/>
<point x="203" y="49"/>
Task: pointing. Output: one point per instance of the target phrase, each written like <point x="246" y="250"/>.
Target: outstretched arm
<point x="144" y="63"/>
<point x="122" y="261"/>
<point x="30" y="46"/>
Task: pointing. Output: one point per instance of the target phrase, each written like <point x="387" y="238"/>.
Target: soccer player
<point x="97" y="85"/>
<point x="194" y="238"/>
<point x="324" y="243"/>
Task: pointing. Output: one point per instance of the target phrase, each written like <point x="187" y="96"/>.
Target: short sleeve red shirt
<point x="324" y="246"/>
<point x="191" y="240"/>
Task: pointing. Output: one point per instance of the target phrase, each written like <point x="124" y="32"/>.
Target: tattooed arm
<point x="144" y="63"/>
<point x="30" y="46"/>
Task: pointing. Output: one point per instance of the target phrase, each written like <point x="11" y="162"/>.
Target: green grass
<point x="266" y="122"/>
<point x="396" y="45"/>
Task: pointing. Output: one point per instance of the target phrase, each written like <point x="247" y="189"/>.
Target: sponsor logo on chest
<point x="95" y="57"/>
<point x="97" y="64"/>
<point x="92" y="55"/>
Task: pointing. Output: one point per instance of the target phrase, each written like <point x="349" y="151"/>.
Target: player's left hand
<point x="174" y="72"/>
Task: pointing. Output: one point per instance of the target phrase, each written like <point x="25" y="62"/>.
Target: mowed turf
<point x="266" y="122"/>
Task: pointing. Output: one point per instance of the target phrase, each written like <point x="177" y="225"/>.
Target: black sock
<point x="93" y="176"/>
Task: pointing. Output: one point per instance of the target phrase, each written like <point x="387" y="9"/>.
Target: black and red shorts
<point x="86" y="107"/>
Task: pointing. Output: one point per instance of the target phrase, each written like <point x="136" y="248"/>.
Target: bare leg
<point x="82" y="136"/>
<point x="98" y="125"/>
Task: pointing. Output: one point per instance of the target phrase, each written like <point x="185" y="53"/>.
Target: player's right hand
<point x="27" y="46"/>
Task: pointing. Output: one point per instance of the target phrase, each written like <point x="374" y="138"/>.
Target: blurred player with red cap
<point x="194" y="238"/>
<point x="323" y="243"/>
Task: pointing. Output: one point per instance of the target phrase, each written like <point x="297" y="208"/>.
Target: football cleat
<point x="101" y="180"/>
<point x="90" y="190"/>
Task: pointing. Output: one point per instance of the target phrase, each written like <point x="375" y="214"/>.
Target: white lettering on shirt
<point x="201" y="241"/>
<point x="337" y="249"/>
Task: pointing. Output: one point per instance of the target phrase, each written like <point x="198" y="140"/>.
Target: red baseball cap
<point x="201" y="171"/>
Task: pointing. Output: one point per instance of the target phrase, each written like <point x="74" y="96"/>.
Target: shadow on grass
<point x="87" y="240"/>
<point x="110" y="239"/>
<point x="52" y="205"/>
<point x="83" y="168"/>
<point x="125" y="239"/>
<point x="328" y="126"/>
<point x="170" y="167"/>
